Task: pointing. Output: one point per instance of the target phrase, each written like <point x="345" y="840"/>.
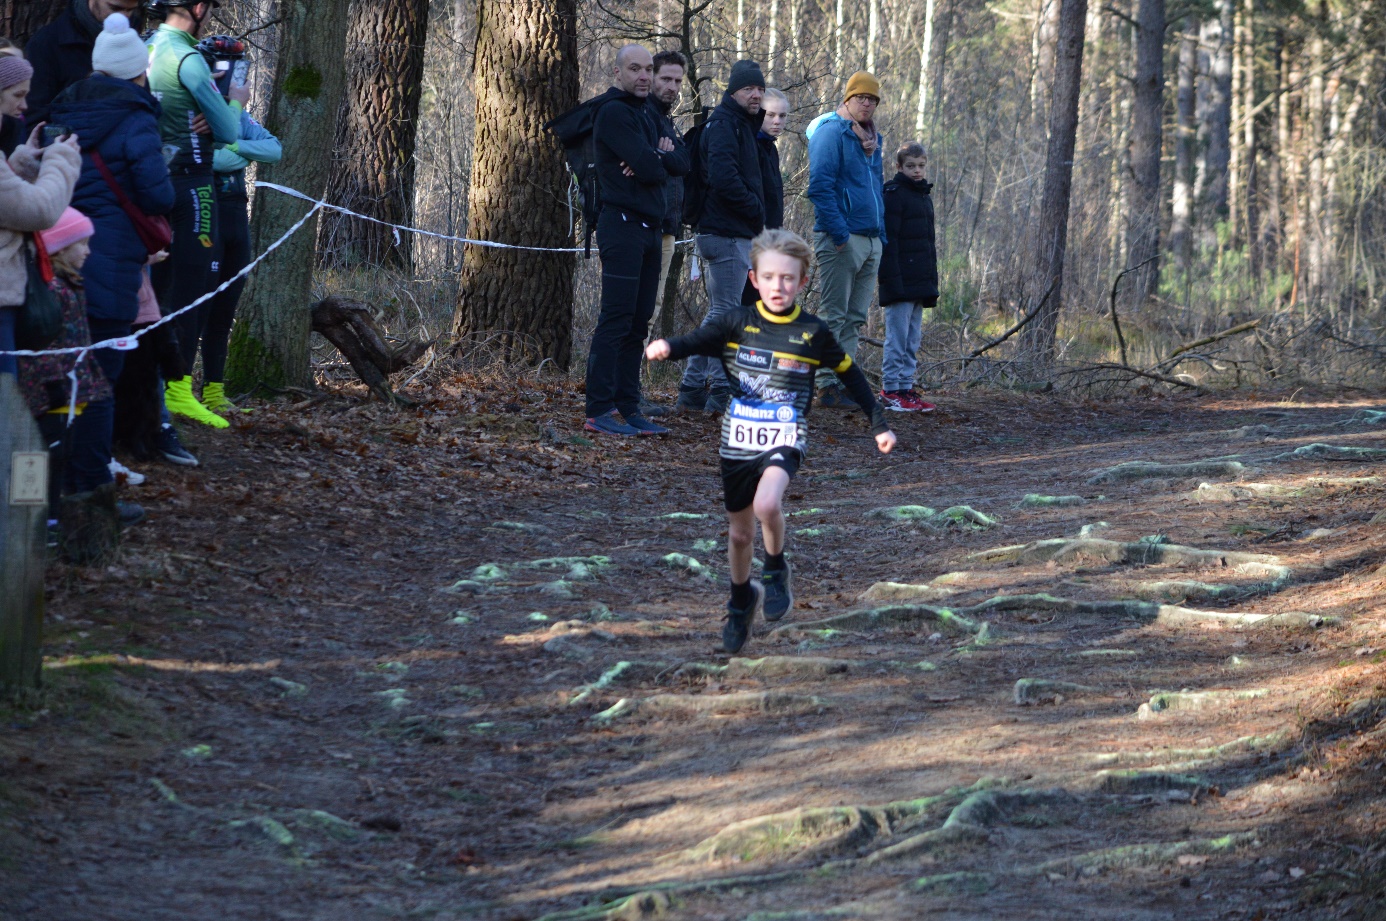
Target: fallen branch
<point x="1116" y="323"/>
<point x="1108" y="366"/>
<point x="976" y="353"/>
<point x="1208" y="340"/>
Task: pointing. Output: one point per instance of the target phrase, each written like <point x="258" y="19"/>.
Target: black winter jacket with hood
<point x="772" y="183"/>
<point x="909" y="260"/>
<point x="625" y="132"/>
<point x="735" y="201"/>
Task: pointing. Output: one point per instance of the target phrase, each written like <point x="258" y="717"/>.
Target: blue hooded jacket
<point x="120" y="120"/>
<point x="844" y="183"/>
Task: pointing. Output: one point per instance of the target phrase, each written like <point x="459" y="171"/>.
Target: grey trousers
<point x="847" y="279"/>
<point x="904" y="324"/>
<point x="726" y="260"/>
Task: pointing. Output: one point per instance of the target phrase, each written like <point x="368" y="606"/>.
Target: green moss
<point x="303" y="82"/>
<point x="250" y="367"/>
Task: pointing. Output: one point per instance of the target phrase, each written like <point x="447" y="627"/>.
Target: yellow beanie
<point x="862" y="83"/>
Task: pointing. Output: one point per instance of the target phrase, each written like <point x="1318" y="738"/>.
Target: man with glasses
<point x="849" y="217"/>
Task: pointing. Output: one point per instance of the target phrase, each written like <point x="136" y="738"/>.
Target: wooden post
<point x="23" y="541"/>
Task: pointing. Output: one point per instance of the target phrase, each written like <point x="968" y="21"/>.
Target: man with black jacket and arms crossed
<point x="633" y="165"/>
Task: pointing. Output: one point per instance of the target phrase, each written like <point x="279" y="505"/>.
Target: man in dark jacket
<point x="775" y="105"/>
<point x="633" y="164"/>
<point x="908" y="280"/>
<point x="733" y="212"/>
<point x="61" y="50"/>
<point x="669" y="69"/>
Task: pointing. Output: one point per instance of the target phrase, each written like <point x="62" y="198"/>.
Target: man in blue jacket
<point x="733" y="212"/>
<point x="849" y="223"/>
<point x="61" y="51"/>
<point x="633" y="163"/>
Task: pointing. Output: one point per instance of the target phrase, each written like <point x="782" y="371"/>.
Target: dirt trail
<point x="453" y="663"/>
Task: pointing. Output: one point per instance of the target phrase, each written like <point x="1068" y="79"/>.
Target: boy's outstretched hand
<point x="885" y="441"/>
<point x="659" y="350"/>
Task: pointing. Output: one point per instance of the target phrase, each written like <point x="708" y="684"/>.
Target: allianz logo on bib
<point x="754" y="358"/>
<point x="763" y="413"/>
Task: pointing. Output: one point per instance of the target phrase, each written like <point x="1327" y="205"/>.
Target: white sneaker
<point x="119" y="470"/>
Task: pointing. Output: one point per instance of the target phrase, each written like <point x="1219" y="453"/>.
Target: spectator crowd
<point x="122" y="201"/>
<point x="722" y="178"/>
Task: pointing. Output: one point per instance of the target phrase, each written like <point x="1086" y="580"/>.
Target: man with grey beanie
<point x="733" y="212"/>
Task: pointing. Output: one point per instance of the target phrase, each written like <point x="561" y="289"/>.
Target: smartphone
<point x="239" y="71"/>
<point x="53" y="133"/>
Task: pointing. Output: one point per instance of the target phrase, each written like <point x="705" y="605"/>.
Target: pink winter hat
<point x="71" y="227"/>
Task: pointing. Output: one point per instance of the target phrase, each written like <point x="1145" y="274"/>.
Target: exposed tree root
<point x="1199" y="758"/>
<point x="630" y="671"/>
<point x="1315" y="486"/>
<point x="800" y="833"/>
<point x="1040" y="690"/>
<point x="1034" y="500"/>
<point x="770" y="667"/>
<point x="686" y="563"/>
<point x="664" y="705"/>
<point x="1062" y="550"/>
<point x="1130" y="857"/>
<point x="898" y="591"/>
<point x="1128" y="783"/>
<point x="1177" y="590"/>
<point x="898" y="615"/>
<point x="1332" y="453"/>
<point x="641" y="906"/>
<point x="1195" y="700"/>
<point x="1144" y="470"/>
<point x="969" y="819"/>
<point x="961" y="515"/>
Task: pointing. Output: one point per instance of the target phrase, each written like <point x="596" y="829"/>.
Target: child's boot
<point x="739" y="619"/>
<point x="779" y="591"/>
<point x="178" y="397"/>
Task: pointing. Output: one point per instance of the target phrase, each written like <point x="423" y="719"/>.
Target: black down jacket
<point x="909" y="260"/>
<point x="735" y="204"/>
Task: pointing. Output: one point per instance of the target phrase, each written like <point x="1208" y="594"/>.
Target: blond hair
<point x="61" y="264"/>
<point x="784" y="242"/>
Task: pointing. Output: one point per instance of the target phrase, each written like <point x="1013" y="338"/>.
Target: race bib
<point x="762" y="426"/>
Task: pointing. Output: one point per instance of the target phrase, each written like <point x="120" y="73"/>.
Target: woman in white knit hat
<point x="35" y="187"/>
<point x="117" y="119"/>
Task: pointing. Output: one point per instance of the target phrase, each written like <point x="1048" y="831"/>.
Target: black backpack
<point x="574" y="131"/>
<point x="694" y="185"/>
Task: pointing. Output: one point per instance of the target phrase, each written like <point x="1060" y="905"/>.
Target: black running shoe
<point x="172" y="450"/>
<point x="779" y="591"/>
<point x="739" y="621"/>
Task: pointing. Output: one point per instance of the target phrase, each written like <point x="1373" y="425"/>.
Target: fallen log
<point x="349" y="325"/>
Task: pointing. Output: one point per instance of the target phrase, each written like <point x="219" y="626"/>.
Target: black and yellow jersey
<point x="770" y="360"/>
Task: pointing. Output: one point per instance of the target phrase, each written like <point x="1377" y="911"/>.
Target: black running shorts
<point x="741" y="477"/>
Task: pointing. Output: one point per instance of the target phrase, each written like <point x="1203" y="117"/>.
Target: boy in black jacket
<point x="770" y="352"/>
<point x="908" y="277"/>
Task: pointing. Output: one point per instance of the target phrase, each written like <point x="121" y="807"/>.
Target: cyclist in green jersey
<point x="196" y="119"/>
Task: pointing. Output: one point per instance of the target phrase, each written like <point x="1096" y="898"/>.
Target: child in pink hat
<point x="79" y="454"/>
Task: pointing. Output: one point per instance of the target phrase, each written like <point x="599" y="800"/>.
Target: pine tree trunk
<point x="1314" y="141"/>
<point x="20" y="19"/>
<point x="373" y="158"/>
<point x="1042" y="51"/>
<point x="1046" y="292"/>
<point x="269" y="343"/>
<point x="1252" y="199"/>
<point x="925" y="48"/>
<point x="526" y="74"/>
<point x="1217" y="124"/>
<point x="1143" y="226"/>
<point x="1181" y="199"/>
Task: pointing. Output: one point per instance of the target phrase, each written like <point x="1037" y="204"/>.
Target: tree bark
<point x="1042" y="63"/>
<point x="1181" y="203"/>
<point x="20" y="19"/>
<point x="269" y="343"/>
<point x="925" y="49"/>
<point x="1211" y="183"/>
<point x="1058" y="178"/>
<point x="373" y="158"/>
<point x="526" y="74"/>
<point x="1143" y="225"/>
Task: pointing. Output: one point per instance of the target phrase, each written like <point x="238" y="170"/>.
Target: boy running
<point x="770" y="352"/>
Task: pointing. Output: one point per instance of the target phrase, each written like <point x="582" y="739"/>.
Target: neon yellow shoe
<point x="214" y="398"/>
<point x="179" y="398"/>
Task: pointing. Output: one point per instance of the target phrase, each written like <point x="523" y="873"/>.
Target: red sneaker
<point x="919" y="405"/>
<point x="896" y="401"/>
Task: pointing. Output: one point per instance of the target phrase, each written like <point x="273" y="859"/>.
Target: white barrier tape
<point x="294" y="193"/>
<point x="126" y="343"/>
<point x="427" y="233"/>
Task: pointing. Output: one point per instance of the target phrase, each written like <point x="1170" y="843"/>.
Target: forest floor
<point x="366" y="664"/>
